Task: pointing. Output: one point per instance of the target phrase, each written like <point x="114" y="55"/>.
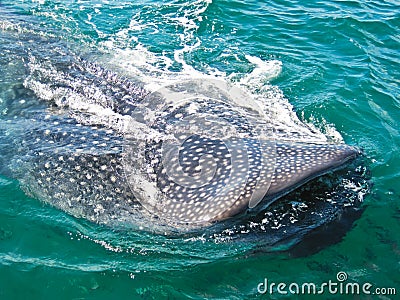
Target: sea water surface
<point x="336" y="63"/>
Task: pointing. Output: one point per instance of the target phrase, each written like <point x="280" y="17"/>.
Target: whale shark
<point x="187" y="155"/>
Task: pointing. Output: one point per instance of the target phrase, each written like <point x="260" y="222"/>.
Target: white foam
<point x="127" y="53"/>
<point x="263" y="72"/>
<point x="154" y="69"/>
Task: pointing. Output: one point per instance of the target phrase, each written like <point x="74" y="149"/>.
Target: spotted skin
<point x="90" y="181"/>
<point x="295" y="163"/>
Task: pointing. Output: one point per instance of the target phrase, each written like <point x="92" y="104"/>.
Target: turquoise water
<point x="336" y="62"/>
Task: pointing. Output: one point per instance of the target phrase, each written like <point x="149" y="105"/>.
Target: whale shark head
<point x="206" y="156"/>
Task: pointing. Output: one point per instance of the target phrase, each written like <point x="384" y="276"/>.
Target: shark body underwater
<point x="98" y="146"/>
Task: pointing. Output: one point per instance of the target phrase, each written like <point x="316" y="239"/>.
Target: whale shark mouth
<point x="185" y="156"/>
<point x="299" y="163"/>
<point x="296" y="164"/>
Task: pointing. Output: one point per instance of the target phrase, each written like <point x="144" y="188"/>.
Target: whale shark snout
<point x="295" y="164"/>
<point x="298" y="163"/>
